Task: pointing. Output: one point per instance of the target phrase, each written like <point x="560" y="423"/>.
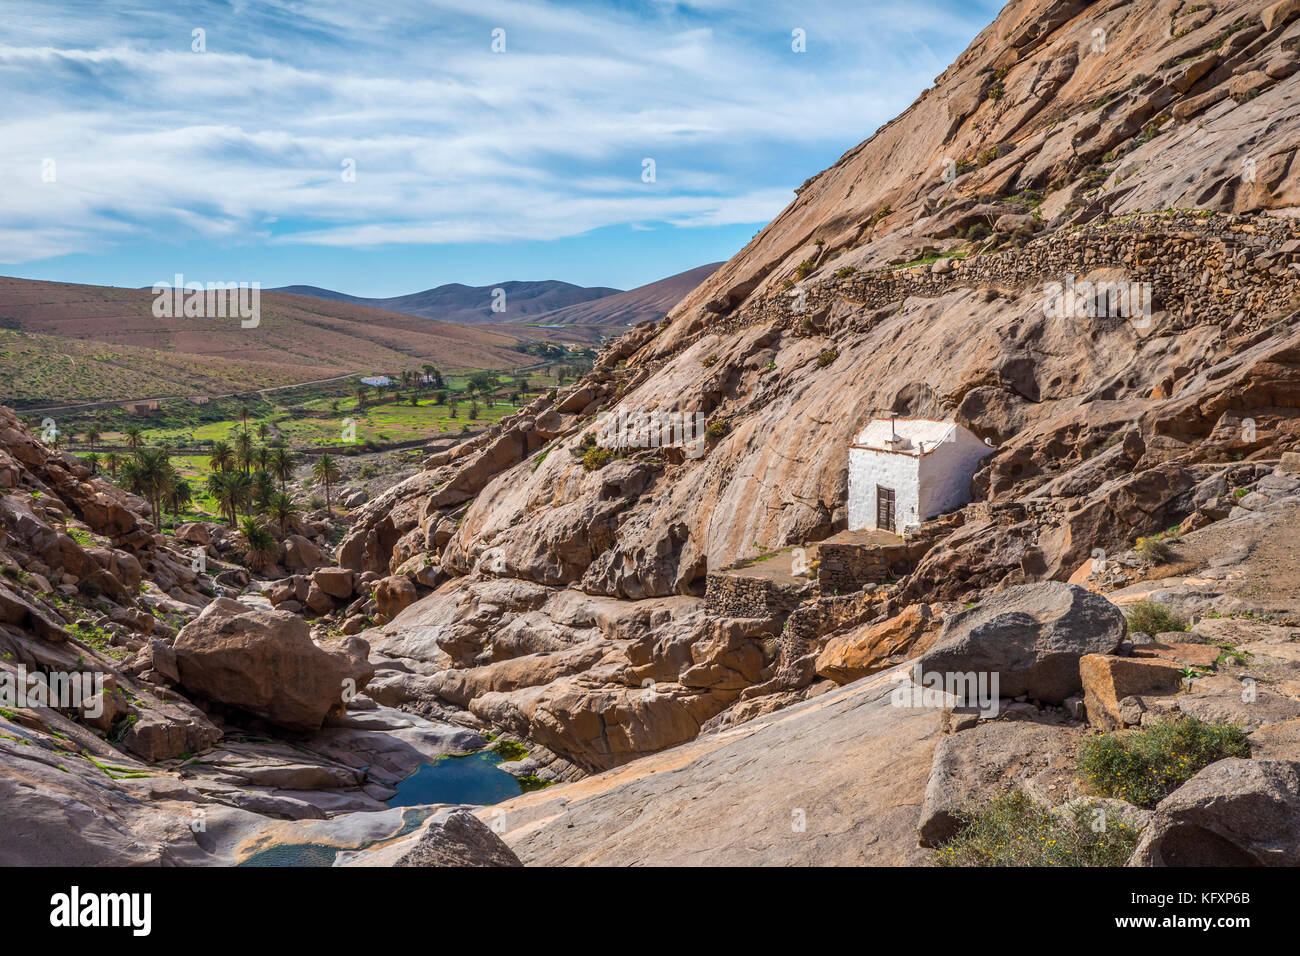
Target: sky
<point x="381" y="148"/>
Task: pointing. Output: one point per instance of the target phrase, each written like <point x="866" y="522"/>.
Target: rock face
<point x="851" y="769"/>
<point x="265" y="663"/>
<point x="1233" y="813"/>
<point x="1032" y="637"/>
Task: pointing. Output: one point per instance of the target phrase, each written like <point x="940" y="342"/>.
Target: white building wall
<point x="868" y="468"/>
<point x="946" y="472"/>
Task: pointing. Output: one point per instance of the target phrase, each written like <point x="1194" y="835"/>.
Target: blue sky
<point x="474" y="166"/>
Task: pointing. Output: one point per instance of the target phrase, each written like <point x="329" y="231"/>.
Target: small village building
<point x="903" y="471"/>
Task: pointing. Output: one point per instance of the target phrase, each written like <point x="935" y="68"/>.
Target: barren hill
<point x="67" y="342"/>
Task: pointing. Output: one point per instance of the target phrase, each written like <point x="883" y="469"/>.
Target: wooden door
<point x="884" y="508"/>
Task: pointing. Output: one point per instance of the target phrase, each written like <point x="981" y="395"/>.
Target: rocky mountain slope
<point x="1105" y="429"/>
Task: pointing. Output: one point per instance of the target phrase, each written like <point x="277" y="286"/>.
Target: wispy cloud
<point x="452" y="143"/>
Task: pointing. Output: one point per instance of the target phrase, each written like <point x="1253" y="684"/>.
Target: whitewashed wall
<point x="868" y="468"/>
<point x="946" y="472"/>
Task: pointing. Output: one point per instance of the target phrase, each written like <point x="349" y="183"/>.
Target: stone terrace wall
<point x="1203" y="270"/>
<point x="737" y="595"/>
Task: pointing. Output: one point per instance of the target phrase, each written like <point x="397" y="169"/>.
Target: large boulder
<point x="1108" y="679"/>
<point x="265" y="663"/>
<point x="394" y="594"/>
<point x="1031" y="636"/>
<point x="458" y="838"/>
<point x="336" y="582"/>
<point x="1233" y="813"/>
<point x="301" y="554"/>
<point x="877" y="647"/>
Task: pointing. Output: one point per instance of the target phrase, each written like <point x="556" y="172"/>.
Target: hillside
<point x="523" y="301"/>
<point x="61" y="342"/>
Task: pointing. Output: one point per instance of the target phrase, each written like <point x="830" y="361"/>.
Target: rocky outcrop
<point x="265" y="663"/>
<point x="1032" y="637"/>
<point x="1233" y="813"/>
<point x="866" y="650"/>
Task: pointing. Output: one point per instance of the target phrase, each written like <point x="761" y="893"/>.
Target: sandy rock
<point x="394" y="594"/>
<point x="301" y="554"/>
<point x="848" y="657"/>
<point x="265" y="662"/>
<point x="1109" y="680"/>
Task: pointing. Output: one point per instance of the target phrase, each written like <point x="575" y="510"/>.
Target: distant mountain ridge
<point x="540" y="303"/>
<point x="455" y="302"/>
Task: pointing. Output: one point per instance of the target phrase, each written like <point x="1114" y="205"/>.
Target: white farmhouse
<point x="903" y="471"/>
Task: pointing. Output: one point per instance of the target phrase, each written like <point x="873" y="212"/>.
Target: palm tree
<point x="360" y="394"/>
<point x="153" y="478"/>
<point x="261" y="457"/>
<point x="263" y="430"/>
<point x="93" y="461"/>
<point x="244" y="412"/>
<point x="263" y="488"/>
<point x="280" y="463"/>
<point x="133" y="433"/>
<point x="281" y="508"/>
<point x="452" y="405"/>
<point x="263" y="549"/>
<point x="241" y="491"/>
<point x="244" y="451"/>
<point x="326" y="471"/>
<point x="113" y="461"/>
<point x="181" y="497"/>
<point x="92" y="436"/>
<point x="222" y="458"/>
<point x="231" y="489"/>
<point x="434" y="376"/>
<point x="219" y="488"/>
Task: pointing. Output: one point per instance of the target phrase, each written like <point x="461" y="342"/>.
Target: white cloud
<point x="452" y="143"/>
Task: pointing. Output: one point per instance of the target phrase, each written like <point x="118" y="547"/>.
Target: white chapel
<point x="903" y="471"/>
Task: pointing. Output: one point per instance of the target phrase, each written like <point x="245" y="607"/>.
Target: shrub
<point x="709" y="361"/>
<point x="1152" y="618"/>
<point x="1012" y="830"/>
<point x="827" y="357"/>
<point x="845" y="272"/>
<point x="596" y="458"/>
<point x="1145" y="766"/>
<point x="804" y="268"/>
<point x="717" y="429"/>
<point x="1154" y="549"/>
